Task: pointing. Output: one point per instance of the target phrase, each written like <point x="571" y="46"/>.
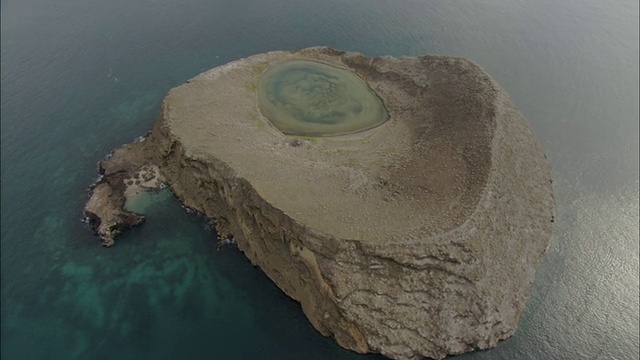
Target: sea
<point x="82" y="77"/>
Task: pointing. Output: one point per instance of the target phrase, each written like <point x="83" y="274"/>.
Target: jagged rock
<point x="419" y="237"/>
<point x="106" y="214"/>
<point x="124" y="173"/>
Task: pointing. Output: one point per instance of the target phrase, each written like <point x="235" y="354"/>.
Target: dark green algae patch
<point x="309" y="98"/>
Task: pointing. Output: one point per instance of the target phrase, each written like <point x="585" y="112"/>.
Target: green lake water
<point x="308" y="98"/>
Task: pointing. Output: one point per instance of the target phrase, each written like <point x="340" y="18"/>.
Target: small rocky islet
<point x="404" y="202"/>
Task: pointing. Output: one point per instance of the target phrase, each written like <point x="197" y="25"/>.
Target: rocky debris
<point x="106" y="214"/>
<point x="124" y="173"/>
<point x="418" y="238"/>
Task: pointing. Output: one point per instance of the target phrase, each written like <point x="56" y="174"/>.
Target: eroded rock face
<point x="417" y="238"/>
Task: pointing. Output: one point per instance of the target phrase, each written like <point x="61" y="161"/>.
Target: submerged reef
<point x="404" y="202"/>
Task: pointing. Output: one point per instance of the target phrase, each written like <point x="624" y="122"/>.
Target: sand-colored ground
<point x="417" y="175"/>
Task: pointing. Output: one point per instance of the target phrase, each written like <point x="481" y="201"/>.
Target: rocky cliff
<point x="418" y="238"/>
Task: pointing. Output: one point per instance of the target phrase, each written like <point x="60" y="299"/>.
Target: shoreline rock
<point x="120" y="179"/>
<point x="420" y="237"/>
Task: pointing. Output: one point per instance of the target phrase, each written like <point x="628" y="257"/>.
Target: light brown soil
<point x="419" y="174"/>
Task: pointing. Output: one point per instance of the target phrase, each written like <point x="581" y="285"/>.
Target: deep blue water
<point x="80" y="77"/>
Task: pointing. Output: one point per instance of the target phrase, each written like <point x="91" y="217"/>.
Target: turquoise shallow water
<point x="79" y="78"/>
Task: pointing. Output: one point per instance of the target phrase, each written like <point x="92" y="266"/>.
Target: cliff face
<point x="418" y="238"/>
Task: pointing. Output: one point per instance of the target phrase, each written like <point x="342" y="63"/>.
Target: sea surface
<point x="81" y="77"/>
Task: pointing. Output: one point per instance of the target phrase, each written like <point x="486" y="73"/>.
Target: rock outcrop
<point x="418" y="238"/>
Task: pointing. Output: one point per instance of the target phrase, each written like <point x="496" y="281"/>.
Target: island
<point x="403" y="201"/>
